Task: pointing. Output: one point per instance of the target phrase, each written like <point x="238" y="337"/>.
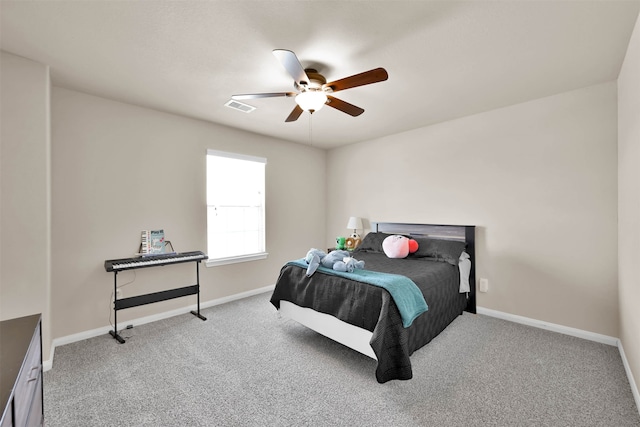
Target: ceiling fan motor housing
<point x="316" y="81"/>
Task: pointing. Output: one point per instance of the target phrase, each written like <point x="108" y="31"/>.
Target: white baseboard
<point x="591" y="336"/>
<point x="632" y="382"/>
<point x="48" y="364"/>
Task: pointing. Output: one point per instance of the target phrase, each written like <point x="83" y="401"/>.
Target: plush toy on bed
<point x="341" y="261"/>
<point x="397" y="246"/>
<point x="333" y="259"/>
<point x="336" y="260"/>
<point x="351" y="264"/>
<point x="313" y="258"/>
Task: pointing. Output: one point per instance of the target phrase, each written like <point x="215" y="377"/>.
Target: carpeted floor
<point x="245" y="366"/>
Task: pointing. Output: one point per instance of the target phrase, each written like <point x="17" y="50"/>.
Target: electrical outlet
<point x="484" y="285"/>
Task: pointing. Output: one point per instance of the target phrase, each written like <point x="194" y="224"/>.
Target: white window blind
<point x="235" y="207"/>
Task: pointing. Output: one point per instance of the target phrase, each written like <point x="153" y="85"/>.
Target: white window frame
<point x="240" y="257"/>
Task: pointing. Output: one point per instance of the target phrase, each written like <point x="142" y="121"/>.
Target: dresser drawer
<point x="7" y="420"/>
<point x="28" y="380"/>
<point x="35" y="417"/>
<point x="21" y="365"/>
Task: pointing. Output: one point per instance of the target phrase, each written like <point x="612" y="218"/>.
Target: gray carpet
<point x="246" y="367"/>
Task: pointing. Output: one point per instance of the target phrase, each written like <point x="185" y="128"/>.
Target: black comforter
<point x="372" y="308"/>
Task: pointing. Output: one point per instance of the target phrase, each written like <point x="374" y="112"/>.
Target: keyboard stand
<point x="123" y="303"/>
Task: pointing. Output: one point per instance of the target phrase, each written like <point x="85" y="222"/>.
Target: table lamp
<point x="355" y="223"/>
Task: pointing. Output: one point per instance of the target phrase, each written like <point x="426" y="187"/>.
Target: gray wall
<point x="82" y="175"/>
<point x="629" y="201"/>
<point x="539" y="179"/>
<point x="118" y="169"/>
<point x="25" y="178"/>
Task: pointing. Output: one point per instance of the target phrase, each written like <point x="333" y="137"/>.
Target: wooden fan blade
<point x="295" y="114"/>
<point x="343" y="106"/>
<point x="290" y="62"/>
<point x="262" y="95"/>
<point x="368" y="77"/>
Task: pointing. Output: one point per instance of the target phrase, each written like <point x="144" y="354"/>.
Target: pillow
<point x="439" y="250"/>
<point x="372" y="242"/>
<point x="398" y="246"/>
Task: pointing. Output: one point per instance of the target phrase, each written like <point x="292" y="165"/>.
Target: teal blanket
<point x="405" y="293"/>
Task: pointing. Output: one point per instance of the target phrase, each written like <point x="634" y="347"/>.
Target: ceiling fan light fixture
<point x="311" y="100"/>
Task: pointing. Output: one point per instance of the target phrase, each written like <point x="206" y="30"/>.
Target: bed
<point x="365" y="317"/>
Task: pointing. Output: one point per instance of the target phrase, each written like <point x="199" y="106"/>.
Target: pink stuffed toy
<point x="397" y="246"/>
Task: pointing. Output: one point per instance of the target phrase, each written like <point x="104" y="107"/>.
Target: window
<point x="235" y="208"/>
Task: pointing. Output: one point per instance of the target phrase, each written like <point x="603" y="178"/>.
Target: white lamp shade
<point x="311" y="100"/>
<point x="355" y="223"/>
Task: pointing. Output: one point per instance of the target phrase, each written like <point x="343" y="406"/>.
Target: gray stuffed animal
<point x="333" y="258"/>
<point x="337" y="260"/>
<point x="313" y="258"/>
<point x="351" y="264"/>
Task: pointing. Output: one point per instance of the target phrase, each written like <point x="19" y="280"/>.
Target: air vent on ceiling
<point x="245" y="108"/>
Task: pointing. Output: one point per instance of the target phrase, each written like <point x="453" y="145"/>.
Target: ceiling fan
<point x="313" y="89"/>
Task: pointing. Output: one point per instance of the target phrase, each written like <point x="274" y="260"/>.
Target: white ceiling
<point x="445" y="59"/>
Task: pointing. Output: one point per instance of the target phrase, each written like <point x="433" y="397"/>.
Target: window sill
<point x="235" y="259"/>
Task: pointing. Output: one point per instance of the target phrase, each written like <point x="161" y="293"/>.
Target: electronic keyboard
<point x="152" y="260"/>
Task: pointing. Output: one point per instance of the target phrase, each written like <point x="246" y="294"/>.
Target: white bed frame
<point x="329" y="326"/>
<point x="357" y="338"/>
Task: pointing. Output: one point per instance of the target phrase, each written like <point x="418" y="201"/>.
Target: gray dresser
<point x="21" y="372"/>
